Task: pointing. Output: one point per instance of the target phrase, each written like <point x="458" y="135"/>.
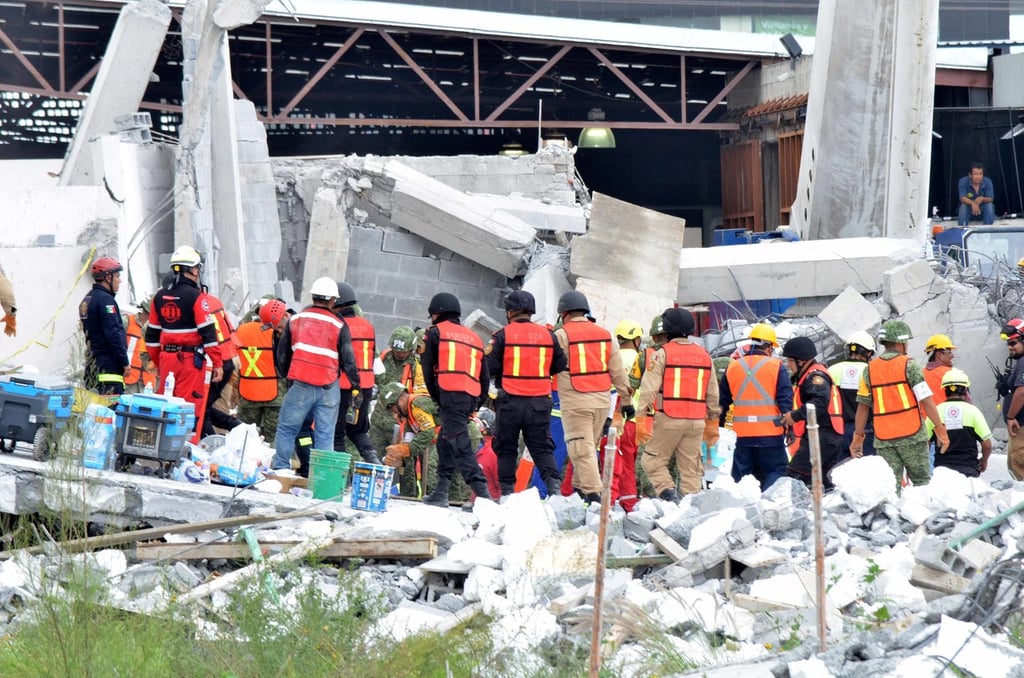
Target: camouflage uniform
<point x="264" y="415"/>
<point x="424" y="411"/>
<point x="382" y="425"/>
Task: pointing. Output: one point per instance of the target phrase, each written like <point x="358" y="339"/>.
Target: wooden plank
<point x="638" y="561"/>
<point x="423" y="547"/>
<point x="754" y="604"/>
<point x="947" y="582"/>
<point x="668" y="545"/>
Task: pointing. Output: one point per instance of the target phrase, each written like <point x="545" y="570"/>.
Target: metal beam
<point x="725" y="91"/>
<point x="484" y="124"/>
<point x="423" y="76"/>
<point x="538" y="74"/>
<point x="84" y="80"/>
<point x="328" y="65"/>
<point x="631" y="85"/>
<point x="26" y="63"/>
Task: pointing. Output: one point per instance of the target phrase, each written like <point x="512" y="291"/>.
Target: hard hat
<point x="144" y="305"/>
<point x="657" y="326"/>
<point x="955" y="377"/>
<point x="444" y="302"/>
<point x="105" y="266"/>
<point x="629" y="329"/>
<point x="486" y="417"/>
<point x="324" y="288"/>
<point x="895" y="332"/>
<point x="521" y="300"/>
<point x="390" y="394"/>
<point x="573" y="301"/>
<point x="937" y="342"/>
<point x="1013" y="328"/>
<point x="185" y="257"/>
<point x="677" y="322"/>
<point x="272" y="312"/>
<point x="403" y="338"/>
<point x="862" y="339"/>
<point x="800" y="348"/>
<point x="763" y="333"/>
<point x="346" y="295"/>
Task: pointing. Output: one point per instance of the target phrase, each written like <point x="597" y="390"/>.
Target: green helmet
<point x="403" y="338"/>
<point x="895" y="332"/>
<point x="390" y="394"/>
<point x="657" y="326"/>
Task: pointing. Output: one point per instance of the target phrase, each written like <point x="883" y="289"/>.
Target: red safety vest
<point x="526" y="365"/>
<point x="896" y="410"/>
<point x="590" y="347"/>
<point x="459" y="354"/>
<point x="684" y="386"/>
<point x="315" y="360"/>
<point x="134" y="334"/>
<point x="835" y="405"/>
<point x="752" y="380"/>
<point x="364" y="340"/>
<point x="225" y="332"/>
<point x="257" y="378"/>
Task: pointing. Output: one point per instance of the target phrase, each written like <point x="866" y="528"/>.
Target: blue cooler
<point x="31" y="408"/>
<point x="153" y="426"/>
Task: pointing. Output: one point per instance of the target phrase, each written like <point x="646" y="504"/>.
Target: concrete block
<point x="462" y="273"/>
<point x="365" y="238"/>
<point x="361" y="279"/>
<point x="546" y="284"/>
<point x="936" y="554"/>
<point x="374" y="260"/>
<point x="637" y="527"/>
<point x="946" y="582"/>
<point x="425" y="268"/>
<point x="411" y="306"/>
<point x="606" y="302"/>
<point x="8" y="493"/>
<point x="979" y="554"/>
<point x="909" y="286"/>
<point x="850" y="312"/>
<point x="378" y="303"/>
<point x="327" y="250"/>
<point x="396" y="286"/>
<point x="402" y="243"/>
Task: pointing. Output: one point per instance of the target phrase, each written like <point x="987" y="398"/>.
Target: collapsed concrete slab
<point x="850" y="312"/>
<point x="911" y="285"/>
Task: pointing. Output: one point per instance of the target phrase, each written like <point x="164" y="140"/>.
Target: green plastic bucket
<point x="328" y="473"/>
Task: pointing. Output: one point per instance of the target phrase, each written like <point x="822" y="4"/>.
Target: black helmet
<point x="677" y="322"/>
<point x="573" y="301"/>
<point x="444" y="302"/>
<point x="520" y="300"/>
<point x="800" y="348"/>
<point x="346" y="295"/>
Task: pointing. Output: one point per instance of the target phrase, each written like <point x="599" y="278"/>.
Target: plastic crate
<point x="153" y="426"/>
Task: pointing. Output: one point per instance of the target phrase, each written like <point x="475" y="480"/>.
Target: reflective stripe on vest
<point x="526" y="365"/>
<point x="110" y="378"/>
<point x="257" y="378"/>
<point x="684" y="386"/>
<point x="752" y="380"/>
<point x="892" y="399"/>
<point x="134" y="334"/>
<point x="835" y="405"/>
<point x="590" y="347"/>
<point x="364" y="346"/>
<point x="315" y="332"/>
<point x="225" y="332"/>
<point x="460" y="352"/>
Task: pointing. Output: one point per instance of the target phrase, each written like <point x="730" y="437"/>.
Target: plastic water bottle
<point x="149" y="388"/>
<point x="169" y="384"/>
<point x="99" y="437"/>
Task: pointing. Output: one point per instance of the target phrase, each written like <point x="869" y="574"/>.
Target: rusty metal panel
<point x="742" y="186"/>
<point x="790" y="147"/>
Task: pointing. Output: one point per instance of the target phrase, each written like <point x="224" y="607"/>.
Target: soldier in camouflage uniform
<point x="401" y="365"/>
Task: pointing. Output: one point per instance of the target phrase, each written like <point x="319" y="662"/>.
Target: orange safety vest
<point x="896" y="410"/>
<point x="315" y="359"/>
<point x="225" y="332"/>
<point x="835" y="405"/>
<point x="364" y="340"/>
<point x="526" y="364"/>
<point x="684" y="386"/>
<point x="460" y="353"/>
<point x="590" y="347"/>
<point x="134" y="334"/>
<point x="752" y="380"/>
<point x="257" y="379"/>
<point x="411" y="420"/>
<point x="934" y="377"/>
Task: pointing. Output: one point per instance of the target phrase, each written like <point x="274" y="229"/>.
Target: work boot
<point x="670" y="495"/>
<point x="590" y="497"/>
<point x="439" y="497"/>
<point x="554" y="485"/>
<point x="370" y="456"/>
<point x="480" y="489"/>
<point x="506" y="489"/>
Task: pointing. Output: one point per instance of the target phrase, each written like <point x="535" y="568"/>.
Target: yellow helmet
<point x="938" y="342"/>
<point x="629" y="330"/>
<point x="764" y="333"/>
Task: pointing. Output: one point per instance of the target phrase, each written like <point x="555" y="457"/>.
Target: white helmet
<point x="862" y="339"/>
<point x="185" y="256"/>
<point x="324" y="287"/>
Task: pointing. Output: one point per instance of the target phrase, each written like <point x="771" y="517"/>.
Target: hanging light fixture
<point x="596" y="137"/>
<point x="512" y="149"/>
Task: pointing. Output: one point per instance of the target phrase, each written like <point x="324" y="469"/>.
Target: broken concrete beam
<point x="757" y="556"/>
<point x="540" y="215"/>
<point x="482" y="324"/>
<point x="910" y="286"/>
<point x="413" y="548"/>
<point x="546" y="283"/>
<point x="850" y="312"/>
<point x="606" y="302"/>
<point x="779" y="270"/>
<point x="328" y="244"/>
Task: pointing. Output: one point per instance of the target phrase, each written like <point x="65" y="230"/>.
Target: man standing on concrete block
<point x="355" y="396"/>
<point x="584" y="389"/>
<point x="1013" y="400"/>
<point x="457" y="379"/>
<point x="522" y="357"/>
<point x="679" y="384"/>
<point x="314" y="349"/>
<point x="894" y="392"/>
<point x="846" y="373"/>
<point x="758" y="388"/>
<point x="107" y="361"/>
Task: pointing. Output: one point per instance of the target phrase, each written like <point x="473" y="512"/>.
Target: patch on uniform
<point x="110" y="308"/>
<point x="489" y="347"/>
<point x="817" y="380"/>
<point x="83" y="308"/>
<point x="205" y="304"/>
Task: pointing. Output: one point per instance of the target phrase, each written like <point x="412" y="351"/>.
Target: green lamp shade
<point x="596" y="137"/>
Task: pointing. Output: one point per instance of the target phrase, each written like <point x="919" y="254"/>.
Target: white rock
<point x="971" y="649"/>
<point x="809" y="668"/>
<point x="714" y="529"/>
<point x="482" y="580"/>
<point x="865" y="483"/>
<point x="478" y="552"/>
<point x="521" y="633"/>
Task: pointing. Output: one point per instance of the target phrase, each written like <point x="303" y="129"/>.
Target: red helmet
<point x="105" y="266"/>
<point x="1012" y="328"/>
<point x="272" y="312"/>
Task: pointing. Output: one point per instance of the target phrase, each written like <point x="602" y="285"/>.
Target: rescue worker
<point x="521" y="358"/>
<point x="485" y="456"/>
<point x="966" y="425"/>
<point x="759" y="390"/>
<point x="9" y="305"/>
<point x="584" y="389"/>
<point x="679" y="384"/>
<point x="215" y="416"/>
<point x="1013" y="402"/>
<point x="107" y="362"/>
<point x="182" y="333"/>
<point x="813" y="386"/>
<point x="628" y="334"/>
<point x="858" y="350"/>
<point x="645" y="420"/>
<point x="354" y="408"/>
<point x="940" y="360"/>
<point x="894" y="391"/>
<point x="314" y="349"/>
<point x="398" y="363"/>
<point x="142" y="372"/>
<point x="260" y="388"/>
<point x="457" y="379"/>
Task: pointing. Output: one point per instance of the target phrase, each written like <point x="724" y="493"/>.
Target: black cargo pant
<point x="531" y="417"/>
<point x="453" y="448"/>
<point x="359" y="431"/>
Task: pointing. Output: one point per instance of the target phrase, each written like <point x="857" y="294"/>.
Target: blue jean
<point x="301" y="400"/>
<point x="988" y="214"/>
<point x="767" y="464"/>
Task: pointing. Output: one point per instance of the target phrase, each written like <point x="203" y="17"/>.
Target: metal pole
<point x="602" y="532"/>
<point x="819" y="537"/>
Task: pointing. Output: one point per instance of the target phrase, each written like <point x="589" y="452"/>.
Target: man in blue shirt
<point x="977" y="196"/>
